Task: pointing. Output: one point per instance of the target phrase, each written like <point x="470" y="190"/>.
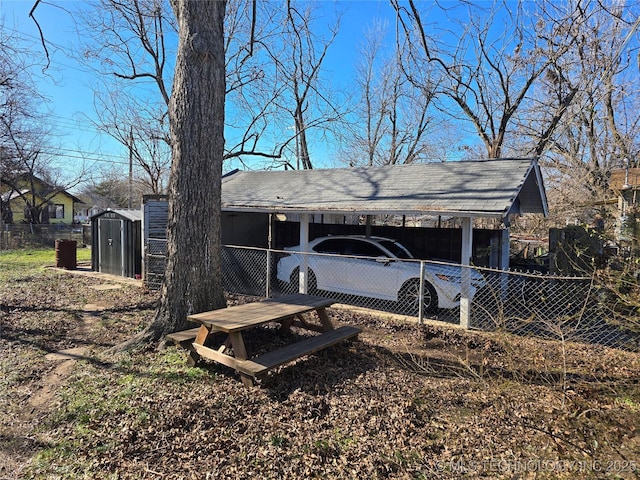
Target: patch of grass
<point x="93" y="398"/>
<point x="629" y="403"/>
<point x="13" y="370"/>
<point x="83" y="255"/>
<point x="25" y="262"/>
<point x="171" y="365"/>
<point x="61" y="461"/>
<point x="333" y="445"/>
<point x="85" y="402"/>
<point x="55" y="456"/>
<point x="20" y="263"/>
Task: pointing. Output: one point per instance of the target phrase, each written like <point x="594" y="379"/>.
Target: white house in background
<point x="83" y="215"/>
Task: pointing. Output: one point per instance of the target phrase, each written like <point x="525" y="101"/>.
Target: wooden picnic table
<point x="288" y="310"/>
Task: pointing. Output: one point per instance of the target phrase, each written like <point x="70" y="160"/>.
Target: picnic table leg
<point x="193" y="356"/>
<point x="240" y="352"/>
<point x="285" y="325"/>
<point x="324" y="319"/>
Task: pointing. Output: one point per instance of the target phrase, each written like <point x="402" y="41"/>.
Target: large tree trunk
<point x="193" y="281"/>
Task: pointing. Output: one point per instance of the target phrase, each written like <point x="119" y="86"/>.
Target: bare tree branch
<point x="42" y="40"/>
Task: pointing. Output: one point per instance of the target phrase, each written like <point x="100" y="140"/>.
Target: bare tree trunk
<point x="193" y="281"/>
<point x="303" y="147"/>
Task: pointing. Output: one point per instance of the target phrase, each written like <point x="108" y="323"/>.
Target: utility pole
<point x="2" y="207"/>
<point x="130" y="165"/>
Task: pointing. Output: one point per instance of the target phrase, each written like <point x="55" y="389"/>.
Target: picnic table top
<point x="248" y="315"/>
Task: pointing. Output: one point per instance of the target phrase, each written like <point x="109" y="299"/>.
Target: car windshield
<point x="398" y="250"/>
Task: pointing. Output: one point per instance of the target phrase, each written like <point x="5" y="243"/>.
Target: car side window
<point x="333" y="246"/>
<point x="363" y="249"/>
<point x="396" y="249"/>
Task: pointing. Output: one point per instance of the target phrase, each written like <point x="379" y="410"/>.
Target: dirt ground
<point x="404" y="401"/>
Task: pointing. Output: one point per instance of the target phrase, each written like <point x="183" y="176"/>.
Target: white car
<point x="379" y="268"/>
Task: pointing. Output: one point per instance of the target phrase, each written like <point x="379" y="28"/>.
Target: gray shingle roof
<point x="490" y="188"/>
<point x="133" y="215"/>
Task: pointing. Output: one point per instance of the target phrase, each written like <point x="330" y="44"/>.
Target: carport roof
<point x="483" y="188"/>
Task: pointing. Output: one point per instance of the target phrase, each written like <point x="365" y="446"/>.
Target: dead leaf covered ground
<point x="404" y="401"/>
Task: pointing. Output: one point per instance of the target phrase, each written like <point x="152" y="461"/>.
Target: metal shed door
<point x="110" y="238"/>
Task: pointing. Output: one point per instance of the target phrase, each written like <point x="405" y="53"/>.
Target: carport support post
<point x="304" y="248"/>
<point x="465" y="300"/>
<point x="267" y="292"/>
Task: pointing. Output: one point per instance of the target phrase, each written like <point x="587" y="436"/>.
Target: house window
<point x="56" y="211"/>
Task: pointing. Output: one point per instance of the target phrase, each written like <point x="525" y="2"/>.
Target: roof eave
<point x="355" y="211"/>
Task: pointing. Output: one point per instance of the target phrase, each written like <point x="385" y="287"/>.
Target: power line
<point x="89" y="155"/>
<point x="78" y="154"/>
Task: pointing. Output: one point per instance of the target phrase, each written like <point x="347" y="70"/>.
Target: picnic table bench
<point x="288" y="310"/>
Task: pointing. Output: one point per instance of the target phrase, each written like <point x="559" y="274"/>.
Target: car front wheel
<point x="409" y="297"/>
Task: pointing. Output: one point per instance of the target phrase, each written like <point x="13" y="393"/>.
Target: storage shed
<point x="117" y="242"/>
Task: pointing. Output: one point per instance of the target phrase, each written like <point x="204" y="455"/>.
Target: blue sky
<point x="65" y="83"/>
<point x="69" y="86"/>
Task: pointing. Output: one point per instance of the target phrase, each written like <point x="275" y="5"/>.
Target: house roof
<point x="133" y="215"/>
<point x="52" y="192"/>
<point x="488" y="188"/>
<point x="10" y="195"/>
<point x="73" y="197"/>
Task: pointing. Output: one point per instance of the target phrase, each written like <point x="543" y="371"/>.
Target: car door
<point x="329" y="267"/>
<point x="369" y="271"/>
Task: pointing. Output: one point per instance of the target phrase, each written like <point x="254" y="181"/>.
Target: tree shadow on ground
<point x="11" y="308"/>
<point x="69" y="332"/>
<point x="315" y="373"/>
<point x="323" y="371"/>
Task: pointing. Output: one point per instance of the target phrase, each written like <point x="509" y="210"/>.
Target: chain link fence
<point x="577" y="309"/>
<point x="155" y="259"/>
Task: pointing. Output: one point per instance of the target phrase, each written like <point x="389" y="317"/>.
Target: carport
<point x="493" y="188"/>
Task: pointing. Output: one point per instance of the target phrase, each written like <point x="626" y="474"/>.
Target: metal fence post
<point x="465" y="280"/>
<point x="421" y="299"/>
<point x="304" y="250"/>
<point x="268" y="287"/>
